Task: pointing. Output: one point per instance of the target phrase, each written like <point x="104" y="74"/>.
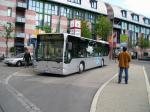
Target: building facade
<point x="129" y="23"/>
<point x="27" y="15"/>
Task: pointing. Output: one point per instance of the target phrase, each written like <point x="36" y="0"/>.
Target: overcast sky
<point x="137" y="6"/>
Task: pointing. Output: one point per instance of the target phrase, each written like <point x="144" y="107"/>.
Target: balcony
<point x="20" y="19"/>
<point x="20" y="35"/>
<point x="117" y="26"/>
<point x="22" y="5"/>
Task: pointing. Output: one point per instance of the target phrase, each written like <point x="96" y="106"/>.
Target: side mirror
<point x="69" y="45"/>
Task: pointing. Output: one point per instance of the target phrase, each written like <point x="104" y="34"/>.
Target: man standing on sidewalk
<point x="27" y="58"/>
<point x="124" y="58"/>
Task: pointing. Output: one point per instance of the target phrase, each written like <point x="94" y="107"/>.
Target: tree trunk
<point x="141" y="52"/>
<point x="7" y="47"/>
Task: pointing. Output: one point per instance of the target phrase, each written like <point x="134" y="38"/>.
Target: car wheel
<point x="8" y="64"/>
<point x="18" y="64"/>
<point x="81" y="67"/>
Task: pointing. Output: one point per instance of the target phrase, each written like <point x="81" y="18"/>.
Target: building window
<point x="39" y="19"/>
<point x="142" y="30"/>
<point x="137" y="28"/>
<point x="39" y="7"/>
<point x="78" y="14"/>
<point x="69" y="13"/>
<point x="47" y="8"/>
<point x="9" y="12"/>
<point x="147" y="31"/>
<point x="47" y="20"/>
<point x="124" y="13"/>
<point x="90" y="17"/>
<point x="63" y="11"/>
<point x="36" y="6"/>
<point x="135" y="17"/>
<point x="130" y="27"/>
<point x="124" y="25"/>
<point x="51" y="9"/>
<point x="93" y="4"/>
<point x="75" y="1"/>
<point x="54" y="10"/>
<point x="146" y="21"/>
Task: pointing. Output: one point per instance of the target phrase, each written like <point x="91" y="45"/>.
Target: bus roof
<point x="101" y="41"/>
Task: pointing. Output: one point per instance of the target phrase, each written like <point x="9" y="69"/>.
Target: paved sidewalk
<point x="132" y="97"/>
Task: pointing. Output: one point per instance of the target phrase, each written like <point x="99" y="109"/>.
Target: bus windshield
<point x="50" y="47"/>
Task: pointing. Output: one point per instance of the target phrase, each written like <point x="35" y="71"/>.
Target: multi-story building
<point x="129" y="23"/>
<point x="26" y="15"/>
<point x="17" y="13"/>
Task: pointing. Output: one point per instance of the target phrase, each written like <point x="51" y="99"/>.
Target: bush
<point x="12" y="49"/>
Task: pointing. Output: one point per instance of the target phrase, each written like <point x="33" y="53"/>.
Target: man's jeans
<point x="120" y="74"/>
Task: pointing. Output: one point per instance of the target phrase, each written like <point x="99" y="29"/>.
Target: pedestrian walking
<point x="27" y="58"/>
<point x="124" y="59"/>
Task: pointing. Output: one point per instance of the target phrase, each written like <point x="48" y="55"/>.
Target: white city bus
<point x="66" y="54"/>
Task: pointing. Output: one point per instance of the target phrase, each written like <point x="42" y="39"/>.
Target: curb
<point x="95" y="99"/>
<point x="147" y="85"/>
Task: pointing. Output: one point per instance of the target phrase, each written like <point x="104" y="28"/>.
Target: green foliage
<point x="123" y="38"/>
<point x="12" y="49"/>
<point x="38" y="27"/>
<point x="103" y="27"/>
<point x="8" y="29"/>
<point x="85" y="31"/>
<point x="6" y="33"/>
<point x="143" y="42"/>
<point x="149" y="44"/>
<point x="45" y="28"/>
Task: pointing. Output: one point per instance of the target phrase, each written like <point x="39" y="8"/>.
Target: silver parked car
<point x="17" y="60"/>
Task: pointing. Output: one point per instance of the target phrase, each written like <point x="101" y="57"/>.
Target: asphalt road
<point x="8" y="102"/>
<point x="26" y="91"/>
<point x="51" y="93"/>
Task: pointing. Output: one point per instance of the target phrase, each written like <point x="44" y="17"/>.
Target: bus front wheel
<point x="81" y="67"/>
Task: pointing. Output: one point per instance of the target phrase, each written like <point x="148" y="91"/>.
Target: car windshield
<point x="19" y="55"/>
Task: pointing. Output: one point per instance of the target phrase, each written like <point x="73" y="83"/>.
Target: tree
<point x="143" y="43"/>
<point x="103" y="27"/>
<point x="12" y="49"/>
<point x="85" y="31"/>
<point x="47" y="29"/>
<point x="6" y="33"/>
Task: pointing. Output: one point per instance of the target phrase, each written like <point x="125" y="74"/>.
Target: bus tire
<point x="102" y="63"/>
<point x="81" y="67"/>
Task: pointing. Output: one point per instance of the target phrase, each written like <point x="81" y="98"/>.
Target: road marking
<point x="28" y="105"/>
<point x="95" y="99"/>
<point x="9" y="77"/>
<point x="147" y="84"/>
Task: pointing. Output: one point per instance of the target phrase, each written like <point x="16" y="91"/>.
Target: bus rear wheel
<point x="81" y="67"/>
